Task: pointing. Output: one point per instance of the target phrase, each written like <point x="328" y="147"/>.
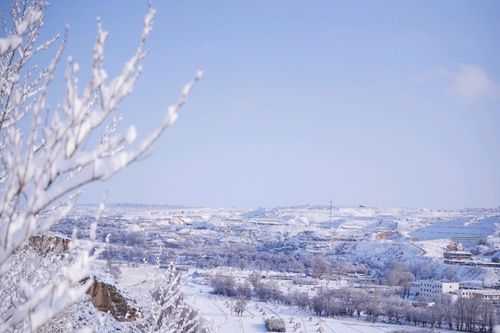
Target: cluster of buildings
<point x="433" y="289"/>
<point x="455" y="254"/>
<point x="465" y="258"/>
<point x="492" y="295"/>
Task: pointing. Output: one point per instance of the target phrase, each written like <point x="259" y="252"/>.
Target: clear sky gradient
<point x="382" y="103"/>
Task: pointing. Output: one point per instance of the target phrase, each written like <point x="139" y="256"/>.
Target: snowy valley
<point x="294" y="251"/>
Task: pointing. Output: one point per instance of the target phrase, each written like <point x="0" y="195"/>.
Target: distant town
<point x="413" y="267"/>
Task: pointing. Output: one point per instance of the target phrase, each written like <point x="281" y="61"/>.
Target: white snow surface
<point x="216" y="314"/>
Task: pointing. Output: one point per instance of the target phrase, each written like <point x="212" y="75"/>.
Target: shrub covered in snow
<point x="223" y="285"/>
<point x="275" y="325"/>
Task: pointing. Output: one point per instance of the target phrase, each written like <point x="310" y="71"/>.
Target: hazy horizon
<point x="312" y="204"/>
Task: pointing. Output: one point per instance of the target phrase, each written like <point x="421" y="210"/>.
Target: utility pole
<point x="331" y="211"/>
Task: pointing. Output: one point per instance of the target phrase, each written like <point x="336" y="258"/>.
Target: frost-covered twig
<point x="169" y="312"/>
<point x="44" y="165"/>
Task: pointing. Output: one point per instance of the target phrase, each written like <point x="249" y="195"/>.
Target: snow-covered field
<point x="216" y="311"/>
<point x="217" y="315"/>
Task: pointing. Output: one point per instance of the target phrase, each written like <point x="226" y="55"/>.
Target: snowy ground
<point x="216" y="310"/>
<point x="217" y="315"/>
<point x="433" y="248"/>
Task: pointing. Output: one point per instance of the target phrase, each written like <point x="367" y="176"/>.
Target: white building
<point x="457" y="255"/>
<point x="491" y="295"/>
<point x="431" y="289"/>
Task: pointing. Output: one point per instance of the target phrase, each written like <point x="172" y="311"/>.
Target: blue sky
<point x="391" y="104"/>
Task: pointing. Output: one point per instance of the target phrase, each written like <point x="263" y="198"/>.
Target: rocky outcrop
<point x="107" y="298"/>
<point x="104" y="296"/>
<point x="44" y="244"/>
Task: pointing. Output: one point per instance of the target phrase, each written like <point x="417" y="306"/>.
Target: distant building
<point x="457" y="255"/>
<point x="492" y="295"/>
<point x="454" y="246"/>
<point x="472" y="263"/>
<point x="432" y="288"/>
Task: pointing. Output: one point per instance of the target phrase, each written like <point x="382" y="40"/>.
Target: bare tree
<point x="244" y="290"/>
<point x="224" y="285"/>
<point x="255" y="279"/>
<point x="487" y="317"/>
<point x="46" y="154"/>
<point x="170" y="314"/>
<point x="319" y="267"/>
<point x="300" y="299"/>
<point x="239" y="306"/>
<point x="269" y="291"/>
<point x="399" y="275"/>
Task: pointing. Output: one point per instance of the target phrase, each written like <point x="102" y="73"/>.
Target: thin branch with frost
<point x="169" y="311"/>
<point x="43" y="167"/>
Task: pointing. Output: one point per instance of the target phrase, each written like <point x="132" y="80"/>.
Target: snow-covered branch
<point x="43" y="165"/>
<point x="169" y="312"/>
